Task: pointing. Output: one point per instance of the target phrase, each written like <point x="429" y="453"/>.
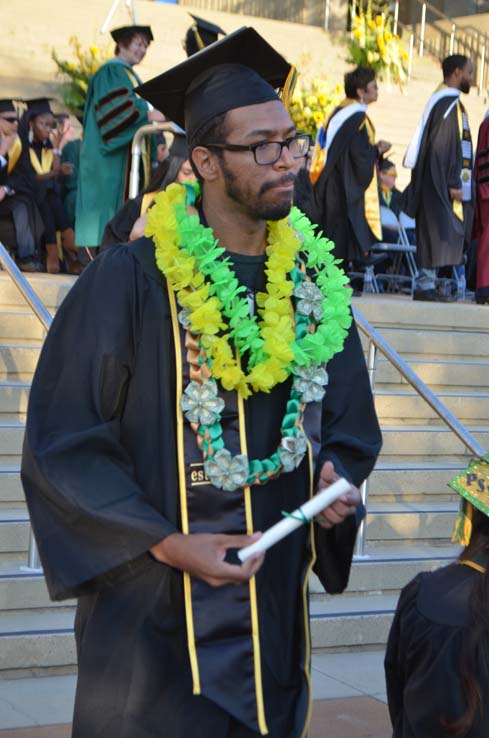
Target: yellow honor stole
<point x="14" y="153"/>
<point x="46" y="164"/>
<point x="372" y="205"/>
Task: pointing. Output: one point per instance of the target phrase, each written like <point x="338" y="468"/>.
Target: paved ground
<point x="349" y="701"/>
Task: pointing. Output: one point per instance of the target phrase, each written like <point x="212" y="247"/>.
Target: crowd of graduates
<point x="63" y="197"/>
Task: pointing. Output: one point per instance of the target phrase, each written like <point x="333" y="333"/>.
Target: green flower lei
<point x="197" y="269"/>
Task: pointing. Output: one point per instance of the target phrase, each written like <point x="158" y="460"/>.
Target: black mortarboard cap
<point x="119" y="34"/>
<point x="38" y="105"/>
<point x="201" y="34"/>
<point x="7" y="106"/>
<point x="239" y="70"/>
<point x="386" y="164"/>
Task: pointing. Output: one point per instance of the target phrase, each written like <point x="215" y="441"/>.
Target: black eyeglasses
<point x="12" y="119"/>
<point x="269" y="152"/>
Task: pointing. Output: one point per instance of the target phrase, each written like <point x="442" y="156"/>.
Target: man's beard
<point x="465" y="87"/>
<point x="255" y="205"/>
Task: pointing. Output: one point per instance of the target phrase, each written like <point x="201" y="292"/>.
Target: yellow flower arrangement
<point x="77" y="74"/>
<point x="313" y="100"/>
<point x="373" y="44"/>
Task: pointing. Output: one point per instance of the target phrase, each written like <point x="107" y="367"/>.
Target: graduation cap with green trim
<point x="126" y="32"/>
<point x="239" y="70"/>
<point x="473" y="486"/>
<point x="201" y="34"/>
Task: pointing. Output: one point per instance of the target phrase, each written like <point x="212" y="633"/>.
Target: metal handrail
<point x="376" y="342"/>
<point x="150" y="129"/>
<point x="32" y="299"/>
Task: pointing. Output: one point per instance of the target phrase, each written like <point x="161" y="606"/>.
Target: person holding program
<point x="219" y="381"/>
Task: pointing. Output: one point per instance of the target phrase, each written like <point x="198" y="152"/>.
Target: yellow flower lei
<point x="205" y="310"/>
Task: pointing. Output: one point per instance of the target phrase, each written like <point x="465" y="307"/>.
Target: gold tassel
<point x="462" y="531"/>
<point x="289" y="86"/>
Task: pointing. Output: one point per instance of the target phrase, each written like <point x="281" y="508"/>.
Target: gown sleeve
<point x="118" y="111"/>
<point x="351" y="440"/>
<point x="362" y="157"/>
<point x="89" y="514"/>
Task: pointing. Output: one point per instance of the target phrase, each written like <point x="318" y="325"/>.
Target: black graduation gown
<point x="440" y="235"/>
<point x="118" y="229"/>
<point x="100" y="475"/>
<point x="422" y="661"/>
<point x="339" y="193"/>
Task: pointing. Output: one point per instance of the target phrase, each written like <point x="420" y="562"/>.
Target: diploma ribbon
<point x="299" y="515"/>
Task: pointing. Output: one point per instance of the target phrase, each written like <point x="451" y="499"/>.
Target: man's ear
<point x="206" y="163"/>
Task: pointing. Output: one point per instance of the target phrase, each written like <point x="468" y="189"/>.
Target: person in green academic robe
<point x="113" y="114"/>
<point x="176" y="638"/>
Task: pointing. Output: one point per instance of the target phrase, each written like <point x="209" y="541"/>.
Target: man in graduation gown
<point x="481" y="215"/>
<point x="440" y="195"/>
<point x="20" y="222"/>
<point x="344" y="174"/>
<point x="136" y="512"/>
<point x="201" y="33"/>
<point x="113" y="114"/>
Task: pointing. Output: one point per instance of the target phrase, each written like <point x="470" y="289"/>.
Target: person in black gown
<point x="344" y="171"/>
<point x="175" y="638"/>
<point x="437" y="657"/>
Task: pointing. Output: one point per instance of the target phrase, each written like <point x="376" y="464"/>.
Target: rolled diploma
<point x="285" y="526"/>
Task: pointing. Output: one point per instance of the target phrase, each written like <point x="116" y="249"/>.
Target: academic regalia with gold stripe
<point x="96" y="515"/>
<point x="113" y="114"/>
<point x="346" y="206"/>
<point x="159" y="650"/>
<point x="443" y="227"/>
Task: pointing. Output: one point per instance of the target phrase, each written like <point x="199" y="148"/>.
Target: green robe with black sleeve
<point x="113" y="114"/>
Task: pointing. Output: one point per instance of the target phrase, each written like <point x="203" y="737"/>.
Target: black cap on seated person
<point x="38" y="106"/>
<point x="127" y="32"/>
<point x="7" y="106"/>
<point x="201" y="34"/>
<point x="239" y="70"/>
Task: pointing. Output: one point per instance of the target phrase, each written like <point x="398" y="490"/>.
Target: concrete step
<point x="14" y="396"/>
<point x="387" y="311"/>
<point x="413" y="440"/>
<point x="10" y="484"/>
<point x="37" y="640"/>
<point x="20" y="322"/>
<point x="399" y="478"/>
<point x="430" y="341"/>
<point x="343" y="622"/>
<point x="50" y="288"/>
<point x="465" y="372"/>
<point x="18" y="359"/>
<point x="404" y="523"/>
<point x="11" y="437"/>
<point x="387" y="571"/>
<point x="21" y="589"/>
<point x="14" y="531"/>
<point x="467" y="406"/>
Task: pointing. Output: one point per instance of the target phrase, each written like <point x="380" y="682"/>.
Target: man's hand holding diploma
<point x="341" y="508"/>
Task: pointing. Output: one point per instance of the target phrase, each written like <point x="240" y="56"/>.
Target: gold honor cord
<point x="255" y="632"/>
<point x="456" y="204"/>
<point x="473" y="565"/>
<point x="194" y="664"/>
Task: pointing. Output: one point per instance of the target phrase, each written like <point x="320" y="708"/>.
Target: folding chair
<point x="401" y="251"/>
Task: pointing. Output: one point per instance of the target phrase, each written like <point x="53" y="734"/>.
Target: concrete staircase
<point x="411" y="510"/>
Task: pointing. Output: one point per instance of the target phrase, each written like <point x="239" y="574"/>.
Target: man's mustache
<point x="289" y="178"/>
